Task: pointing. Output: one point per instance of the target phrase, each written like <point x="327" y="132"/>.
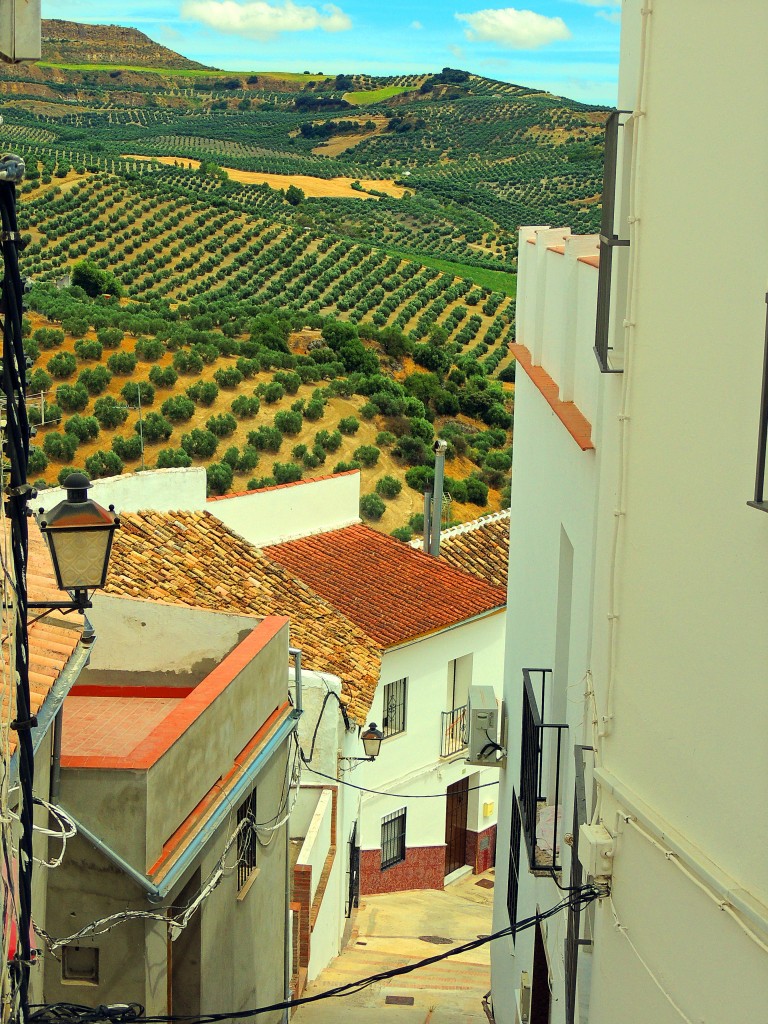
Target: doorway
<point x="456" y="825"/>
<point x="541" y="995"/>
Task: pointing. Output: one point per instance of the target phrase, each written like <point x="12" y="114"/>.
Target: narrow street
<point x="396" y="929"/>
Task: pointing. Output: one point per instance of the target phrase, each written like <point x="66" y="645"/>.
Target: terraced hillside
<point x="292" y="252"/>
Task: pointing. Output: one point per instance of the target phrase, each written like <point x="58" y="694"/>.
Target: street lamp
<point x="79" y="533"/>
<point x="371" y="738"/>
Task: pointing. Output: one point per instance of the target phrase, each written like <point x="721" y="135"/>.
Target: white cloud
<point x="417" y="25"/>
<point x="519" y="30"/>
<point x="614" y="17"/>
<point x="258" y="19"/>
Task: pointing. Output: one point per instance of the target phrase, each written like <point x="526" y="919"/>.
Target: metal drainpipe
<point x="427" y="521"/>
<point x="297" y="676"/>
<point x="439" y="448"/>
<point x="55" y="786"/>
<point x="288" y="951"/>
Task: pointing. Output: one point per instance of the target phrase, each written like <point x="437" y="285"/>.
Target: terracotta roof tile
<point x="391" y="591"/>
<point x="480" y="547"/>
<point x="50" y="646"/>
<point x="193" y="559"/>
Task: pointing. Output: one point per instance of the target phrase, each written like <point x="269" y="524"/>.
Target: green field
<point x="281" y="76"/>
<point x="494" y="280"/>
<point x="367" y="96"/>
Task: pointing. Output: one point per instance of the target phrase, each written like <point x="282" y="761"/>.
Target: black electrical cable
<point x="404" y="796"/>
<point x="14" y="386"/>
<point x="57" y="1014"/>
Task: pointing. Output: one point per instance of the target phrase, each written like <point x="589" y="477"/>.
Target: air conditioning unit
<point x="19" y="30"/>
<point x="483" y="747"/>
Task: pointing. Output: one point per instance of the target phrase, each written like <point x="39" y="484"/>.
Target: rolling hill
<point x="371" y="224"/>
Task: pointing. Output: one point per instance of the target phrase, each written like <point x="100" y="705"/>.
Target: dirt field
<point x="314" y="187"/>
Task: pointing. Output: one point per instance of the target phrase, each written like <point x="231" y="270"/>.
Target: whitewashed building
<point x="637" y="604"/>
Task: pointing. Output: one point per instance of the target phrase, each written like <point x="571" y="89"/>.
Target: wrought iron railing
<point x="608" y="241"/>
<point x="573" y="939"/>
<point x="541" y="749"/>
<point x="453" y="733"/>
<point x="513" y="878"/>
<point x="761" y="499"/>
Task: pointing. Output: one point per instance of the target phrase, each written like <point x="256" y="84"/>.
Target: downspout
<point x="55" y="785"/>
<point x="439" y="448"/>
<point x="427" y="528"/>
<point x="297" y="676"/>
<point x="288" y="951"/>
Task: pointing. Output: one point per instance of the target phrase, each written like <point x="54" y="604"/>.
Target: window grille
<point x="246" y="839"/>
<point x="513" y="878"/>
<point x="761" y="500"/>
<point x="392" y="839"/>
<point x="394" y="708"/>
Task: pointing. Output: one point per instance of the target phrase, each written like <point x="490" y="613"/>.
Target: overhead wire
<point x="404" y="796"/>
<point x="66" y="1013"/>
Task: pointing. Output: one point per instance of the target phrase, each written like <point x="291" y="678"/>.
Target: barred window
<point x="246" y="839"/>
<point x="393" y="719"/>
<point x="392" y="838"/>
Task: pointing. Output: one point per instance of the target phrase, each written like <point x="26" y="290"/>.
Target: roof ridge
<point x="468" y="527"/>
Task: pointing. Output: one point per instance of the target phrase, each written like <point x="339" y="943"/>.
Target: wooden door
<point x="456" y="825"/>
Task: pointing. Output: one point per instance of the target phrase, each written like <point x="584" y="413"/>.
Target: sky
<point x="569" y="47"/>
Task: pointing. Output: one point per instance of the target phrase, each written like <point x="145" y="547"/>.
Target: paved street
<point x="393" y="930"/>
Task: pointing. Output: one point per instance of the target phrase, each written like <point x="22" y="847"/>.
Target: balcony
<point x="453" y="734"/>
<point x="541" y="749"/>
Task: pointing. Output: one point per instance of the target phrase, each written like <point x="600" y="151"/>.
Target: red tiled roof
<point x="193" y="559"/>
<point x="392" y="592"/>
<point x="480" y="547"/>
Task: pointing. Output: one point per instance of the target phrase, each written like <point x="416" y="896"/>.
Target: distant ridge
<point x="69" y="42"/>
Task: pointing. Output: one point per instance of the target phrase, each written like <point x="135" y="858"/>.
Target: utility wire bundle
<point x="14" y="386"/>
<point x="123" y="1013"/>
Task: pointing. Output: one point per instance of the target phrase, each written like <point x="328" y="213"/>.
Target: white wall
<point x="162" y="638"/>
<point x="669" y="602"/>
<point x="276" y="514"/>
<point x="410" y="762"/>
<point x="165" y="490"/>
<point x="317" y="840"/>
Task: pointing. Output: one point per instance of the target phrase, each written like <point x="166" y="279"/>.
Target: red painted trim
<point x="219" y="791"/>
<point x="574" y="421"/>
<point x="280" y="487"/>
<point x="130" y="691"/>
<point x="176" y="723"/>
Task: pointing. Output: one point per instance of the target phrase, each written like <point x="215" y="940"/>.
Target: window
<point x="761" y="498"/>
<point x="80" y="965"/>
<point x="394" y="708"/>
<point x="246" y="839"/>
<point x="392" y="839"/>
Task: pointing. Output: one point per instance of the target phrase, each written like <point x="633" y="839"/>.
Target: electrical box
<point x="596" y="849"/>
<point x="525" y="997"/>
<point x="19" y="30"/>
<point x="482" y="727"/>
